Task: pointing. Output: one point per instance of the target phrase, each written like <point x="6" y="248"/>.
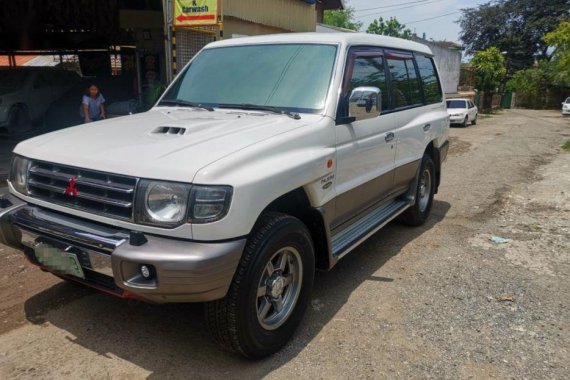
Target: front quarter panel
<point x="265" y="171"/>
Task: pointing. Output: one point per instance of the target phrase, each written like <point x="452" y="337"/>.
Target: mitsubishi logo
<point x="71" y="189"/>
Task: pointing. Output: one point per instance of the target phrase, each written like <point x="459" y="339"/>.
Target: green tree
<point x="343" y="18"/>
<point x="513" y="26"/>
<point x="390" y="27"/>
<point x="560" y="40"/>
<point x="532" y="84"/>
<point x="489" y="72"/>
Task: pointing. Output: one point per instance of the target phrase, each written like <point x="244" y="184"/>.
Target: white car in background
<point x="462" y="111"/>
<point x="27" y="92"/>
<point x="566" y="107"/>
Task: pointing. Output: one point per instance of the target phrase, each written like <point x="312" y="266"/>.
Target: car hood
<point x="136" y="145"/>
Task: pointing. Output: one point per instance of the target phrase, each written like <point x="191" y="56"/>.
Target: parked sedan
<point x="27" y="92"/>
<point x="462" y="111"/>
<point x="566" y="107"/>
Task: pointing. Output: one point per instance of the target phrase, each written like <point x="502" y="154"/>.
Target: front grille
<point x="101" y="193"/>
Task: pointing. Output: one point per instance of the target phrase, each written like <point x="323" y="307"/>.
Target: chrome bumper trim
<point x="86" y="234"/>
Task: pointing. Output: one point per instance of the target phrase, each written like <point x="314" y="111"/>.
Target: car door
<point x="408" y="116"/>
<point x="419" y="123"/>
<point x="365" y="143"/>
<point x="472" y="111"/>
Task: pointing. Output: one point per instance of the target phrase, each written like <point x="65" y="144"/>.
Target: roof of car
<point x="327" y="38"/>
<point x="466" y="100"/>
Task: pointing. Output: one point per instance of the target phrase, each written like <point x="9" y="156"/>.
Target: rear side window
<point x="405" y="84"/>
<point x="430" y="81"/>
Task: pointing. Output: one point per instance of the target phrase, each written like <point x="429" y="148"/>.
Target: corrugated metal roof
<point x="21" y="60"/>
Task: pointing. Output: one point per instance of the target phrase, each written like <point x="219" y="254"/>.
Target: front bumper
<point x="110" y="258"/>
<point x="456" y="119"/>
<point x="566" y="111"/>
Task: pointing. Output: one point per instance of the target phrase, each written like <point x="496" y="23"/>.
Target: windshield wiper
<point x="246" y="106"/>
<point x="187" y="103"/>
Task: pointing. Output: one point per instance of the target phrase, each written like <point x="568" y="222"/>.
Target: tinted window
<point x="400" y="91"/>
<point x="291" y="76"/>
<point x="430" y="81"/>
<point x="456" y="104"/>
<point x="415" y="88"/>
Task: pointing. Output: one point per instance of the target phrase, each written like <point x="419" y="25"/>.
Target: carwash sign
<point x="195" y="12"/>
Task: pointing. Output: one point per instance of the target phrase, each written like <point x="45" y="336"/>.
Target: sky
<point x="435" y="18"/>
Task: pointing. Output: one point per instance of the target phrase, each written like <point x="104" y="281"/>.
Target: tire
<point x="419" y="212"/>
<point x="19" y="119"/>
<point x="464" y="125"/>
<point x="474" y="122"/>
<point x="248" y="320"/>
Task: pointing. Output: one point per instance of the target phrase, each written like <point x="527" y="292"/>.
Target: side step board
<point x="349" y="238"/>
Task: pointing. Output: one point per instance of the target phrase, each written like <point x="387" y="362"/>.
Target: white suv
<point x="267" y="158"/>
<point x="566" y="107"/>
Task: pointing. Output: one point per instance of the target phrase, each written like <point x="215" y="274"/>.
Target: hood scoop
<point x="170" y="131"/>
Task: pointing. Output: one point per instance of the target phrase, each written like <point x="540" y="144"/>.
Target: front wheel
<point x="270" y="290"/>
<point x="417" y="214"/>
<point x="474" y="122"/>
<point x="464" y="125"/>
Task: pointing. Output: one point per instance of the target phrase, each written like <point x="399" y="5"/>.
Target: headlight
<point x="209" y="203"/>
<point x="162" y="204"/>
<point x="171" y="204"/>
<point x="19" y="174"/>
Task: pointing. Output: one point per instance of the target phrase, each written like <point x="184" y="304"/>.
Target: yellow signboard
<point x="195" y="12"/>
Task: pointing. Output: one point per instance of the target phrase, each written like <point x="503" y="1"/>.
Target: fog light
<point x="146" y="272"/>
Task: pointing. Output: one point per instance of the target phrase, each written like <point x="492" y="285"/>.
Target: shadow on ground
<point x="172" y="341"/>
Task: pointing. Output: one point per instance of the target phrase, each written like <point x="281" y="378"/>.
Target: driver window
<point x="366" y="88"/>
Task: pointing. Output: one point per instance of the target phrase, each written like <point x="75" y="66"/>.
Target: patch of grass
<point x="566" y="146"/>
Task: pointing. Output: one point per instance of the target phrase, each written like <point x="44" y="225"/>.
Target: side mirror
<point x="365" y="103"/>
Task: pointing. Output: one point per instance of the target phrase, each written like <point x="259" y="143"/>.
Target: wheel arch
<point x="435" y="154"/>
<point x="296" y="203"/>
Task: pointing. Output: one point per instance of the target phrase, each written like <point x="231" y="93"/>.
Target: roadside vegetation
<point x="533" y="38"/>
<point x="566" y="146"/>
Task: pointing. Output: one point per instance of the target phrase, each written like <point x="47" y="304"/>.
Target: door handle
<point x="427" y="127"/>
<point x="389" y="136"/>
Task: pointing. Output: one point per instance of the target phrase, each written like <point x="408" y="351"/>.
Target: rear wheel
<point x="419" y="212"/>
<point x="19" y="119"/>
<point x="270" y="290"/>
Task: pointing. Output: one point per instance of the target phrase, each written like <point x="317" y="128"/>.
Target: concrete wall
<point x="448" y="62"/>
<point x="290" y="15"/>
<point x="234" y="25"/>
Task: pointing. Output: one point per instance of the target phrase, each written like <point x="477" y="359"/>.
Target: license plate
<point x="58" y="260"/>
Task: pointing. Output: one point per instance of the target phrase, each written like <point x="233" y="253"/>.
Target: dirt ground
<point x="440" y="301"/>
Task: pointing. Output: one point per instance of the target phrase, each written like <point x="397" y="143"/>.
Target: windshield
<point x="456" y="104"/>
<point x="293" y="77"/>
<point x="13" y="78"/>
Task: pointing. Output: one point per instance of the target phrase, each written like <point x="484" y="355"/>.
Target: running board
<point x="349" y="238"/>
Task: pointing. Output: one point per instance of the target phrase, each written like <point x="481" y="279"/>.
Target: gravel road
<point x="440" y="301"/>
